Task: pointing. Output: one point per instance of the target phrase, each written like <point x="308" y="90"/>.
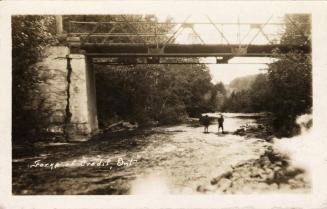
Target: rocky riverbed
<point x="271" y="172"/>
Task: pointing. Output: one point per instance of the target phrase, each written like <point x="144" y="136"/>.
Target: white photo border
<point x="316" y="199"/>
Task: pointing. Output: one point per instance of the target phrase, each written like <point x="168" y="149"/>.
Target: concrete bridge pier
<point x="91" y="95"/>
<point x="84" y="120"/>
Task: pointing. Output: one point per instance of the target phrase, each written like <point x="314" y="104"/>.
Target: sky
<point x="238" y="67"/>
<point x="234" y="34"/>
<point x="227" y="72"/>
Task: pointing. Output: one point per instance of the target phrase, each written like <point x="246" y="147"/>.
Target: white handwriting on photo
<point x="119" y="162"/>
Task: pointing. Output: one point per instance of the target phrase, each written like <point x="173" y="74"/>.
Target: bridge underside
<point x="132" y="53"/>
<point x="179" y="50"/>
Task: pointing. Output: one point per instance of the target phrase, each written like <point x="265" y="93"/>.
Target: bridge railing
<point x="128" y="39"/>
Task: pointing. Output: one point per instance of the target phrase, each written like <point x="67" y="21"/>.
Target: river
<point x="178" y="159"/>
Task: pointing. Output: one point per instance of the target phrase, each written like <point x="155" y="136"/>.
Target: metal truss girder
<point x="179" y="50"/>
<point x="175" y="23"/>
<point x="181" y="55"/>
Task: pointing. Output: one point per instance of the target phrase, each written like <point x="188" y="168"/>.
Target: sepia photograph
<point x="163" y="103"/>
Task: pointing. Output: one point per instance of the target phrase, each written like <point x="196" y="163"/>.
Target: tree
<point x="260" y="94"/>
<point x="290" y="81"/>
<point x="30" y="34"/>
<point x="297" y="29"/>
<point x="290" y="78"/>
<point x="164" y="93"/>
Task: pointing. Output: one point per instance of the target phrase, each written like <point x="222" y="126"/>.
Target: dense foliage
<point x="30" y="34"/>
<point x="146" y="93"/>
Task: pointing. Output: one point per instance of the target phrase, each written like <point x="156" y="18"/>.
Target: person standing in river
<point x="221" y="123"/>
<point x="206" y="122"/>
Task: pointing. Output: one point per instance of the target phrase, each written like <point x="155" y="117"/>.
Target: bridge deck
<point x="180" y="50"/>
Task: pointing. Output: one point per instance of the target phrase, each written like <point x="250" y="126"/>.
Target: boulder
<point x="224" y="184"/>
<point x="227" y="174"/>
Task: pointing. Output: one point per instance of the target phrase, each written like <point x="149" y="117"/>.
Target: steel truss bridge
<point x="156" y="47"/>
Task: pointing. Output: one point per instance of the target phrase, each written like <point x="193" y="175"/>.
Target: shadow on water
<point x="86" y="180"/>
<point x="104" y="143"/>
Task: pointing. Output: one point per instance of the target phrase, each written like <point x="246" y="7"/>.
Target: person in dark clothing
<point x="206" y="123"/>
<point x="221" y="123"/>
